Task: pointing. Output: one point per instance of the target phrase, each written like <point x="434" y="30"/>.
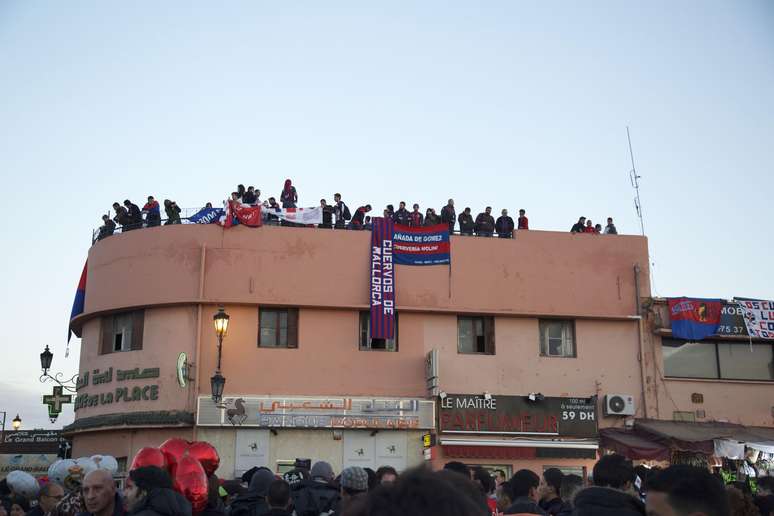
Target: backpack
<point x="309" y="501"/>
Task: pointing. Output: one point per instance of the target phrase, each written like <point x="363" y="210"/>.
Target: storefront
<point x="273" y="431"/>
<point x="729" y="447"/>
<point x="514" y="432"/>
<point x="32" y="451"/>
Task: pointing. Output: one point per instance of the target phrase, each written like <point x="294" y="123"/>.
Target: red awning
<point x="632" y="445"/>
<point x="458" y="451"/>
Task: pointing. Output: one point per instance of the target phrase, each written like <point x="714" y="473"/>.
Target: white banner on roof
<point x="300" y="215"/>
<point x="758" y="317"/>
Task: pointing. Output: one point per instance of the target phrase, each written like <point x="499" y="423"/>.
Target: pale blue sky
<point x="508" y="104"/>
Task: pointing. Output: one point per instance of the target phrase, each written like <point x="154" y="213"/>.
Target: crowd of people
<point x="339" y="216"/>
<point x="616" y="488"/>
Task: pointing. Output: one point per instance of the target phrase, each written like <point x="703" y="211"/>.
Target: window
<point x="475" y="335"/>
<point x="557" y="338"/>
<point x="689" y="359"/>
<point x="367" y="343"/>
<point x="278" y="328"/>
<point x="122" y="332"/>
<point x="715" y="359"/>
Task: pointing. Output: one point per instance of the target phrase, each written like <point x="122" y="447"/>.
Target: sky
<point x="501" y="103"/>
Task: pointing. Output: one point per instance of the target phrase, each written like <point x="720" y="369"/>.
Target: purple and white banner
<point x="382" y="286"/>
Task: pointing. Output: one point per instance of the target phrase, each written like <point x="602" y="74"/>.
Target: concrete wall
<point x="539" y="272"/>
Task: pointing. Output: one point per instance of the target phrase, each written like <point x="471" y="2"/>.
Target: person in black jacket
<point x="504" y="225"/>
<point x="431" y="218"/>
<point x="253" y="502"/>
<point x="135" y="215"/>
<point x="327" y="215"/>
<point x="402" y="215"/>
<point x="448" y="215"/>
<point x="317" y="494"/>
<point x="522" y="489"/>
<point x="485" y="223"/>
<point x="107" y="228"/>
<point x="341" y="211"/>
<point x="148" y="492"/>
<point x="612" y="493"/>
<point x="122" y="216"/>
<point x="278" y="499"/>
<point x="682" y="489"/>
<point x="466" y="222"/>
<point x="550" y="500"/>
<point x="580" y="226"/>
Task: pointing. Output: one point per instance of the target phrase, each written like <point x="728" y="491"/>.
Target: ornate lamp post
<point x="16" y="422"/>
<point x="45" y="363"/>
<point x="218" y="381"/>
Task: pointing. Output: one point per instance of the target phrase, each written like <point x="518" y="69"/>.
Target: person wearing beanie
<point x="316" y="495"/>
<point x="354" y="486"/>
<point x="148" y="492"/>
<point x="253" y="502"/>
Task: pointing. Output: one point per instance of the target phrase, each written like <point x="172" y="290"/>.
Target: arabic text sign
<point x="758" y="316"/>
<point x="31" y="441"/>
<point x="276" y="412"/>
<point x="422" y="245"/>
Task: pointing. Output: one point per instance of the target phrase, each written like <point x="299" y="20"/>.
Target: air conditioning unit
<point x="619" y="405"/>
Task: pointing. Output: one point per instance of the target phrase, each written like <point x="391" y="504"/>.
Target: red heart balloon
<point x="206" y="454"/>
<point x="174" y="449"/>
<point x="191" y="481"/>
<point x="149" y="457"/>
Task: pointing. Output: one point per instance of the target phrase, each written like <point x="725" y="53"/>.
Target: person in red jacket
<point x="589" y="227"/>
<point x="523" y="220"/>
<point x="415" y="217"/>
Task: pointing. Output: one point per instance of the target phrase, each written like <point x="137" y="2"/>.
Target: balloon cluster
<point x="70" y="472"/>
<point x="188" y="463"/>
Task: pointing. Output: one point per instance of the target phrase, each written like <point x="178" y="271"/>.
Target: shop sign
<point x="518" y="415"/>
<point x="731" y="321"/>
<point x="318" y="412"/>
<point x="121" y="395"/>
<point x="31" y="441"/>
<point x="34" y="464"/>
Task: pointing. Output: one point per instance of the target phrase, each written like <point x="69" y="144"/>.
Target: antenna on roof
<point x="634" y="178"/>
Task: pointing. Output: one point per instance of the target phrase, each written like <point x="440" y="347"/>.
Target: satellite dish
<point x="182" y="369"/>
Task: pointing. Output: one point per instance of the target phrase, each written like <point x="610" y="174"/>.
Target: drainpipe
<point x="198" y="359"/>
<point x="638" y="307"/>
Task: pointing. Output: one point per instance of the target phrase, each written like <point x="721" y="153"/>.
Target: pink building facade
<point x="508" y="358"/>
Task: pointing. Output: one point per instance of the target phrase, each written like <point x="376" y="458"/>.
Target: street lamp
<point x="45" y="360"/>
<point x="16" y="423"/>
<point x="45" y="363"/>
<point x="218" y="381"/>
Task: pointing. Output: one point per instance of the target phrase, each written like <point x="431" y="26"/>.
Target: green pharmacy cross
<point x="55" y="402"/>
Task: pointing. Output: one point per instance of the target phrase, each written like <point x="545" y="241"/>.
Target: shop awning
<point x="700" y="437"/>
<point x="518" y="449"/>
<point x="632" y="444"/>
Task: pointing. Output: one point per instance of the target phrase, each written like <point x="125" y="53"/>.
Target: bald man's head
<point x="99" y="492"/>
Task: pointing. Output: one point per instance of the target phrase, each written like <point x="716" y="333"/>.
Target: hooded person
<point x="317" y="494"/>
<point x="253" y="502"/>
<point x="148" y="492"/>
<point x="288" y="197"/>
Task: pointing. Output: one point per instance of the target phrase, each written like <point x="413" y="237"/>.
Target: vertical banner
<point x="382" y="280"/>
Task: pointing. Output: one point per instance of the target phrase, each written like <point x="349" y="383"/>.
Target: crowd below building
<point x="615" y="488"/>
<point x="337" y="215"/>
